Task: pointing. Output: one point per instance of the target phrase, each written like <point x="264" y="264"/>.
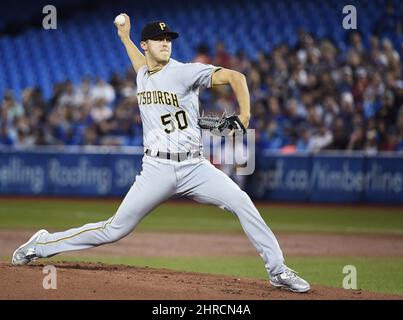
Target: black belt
<point x="181" y="156"/>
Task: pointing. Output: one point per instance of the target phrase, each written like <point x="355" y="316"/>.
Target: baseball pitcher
<point x="173" y="163"/>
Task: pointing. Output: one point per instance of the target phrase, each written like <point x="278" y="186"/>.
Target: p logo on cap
<point x="157" y="29"/>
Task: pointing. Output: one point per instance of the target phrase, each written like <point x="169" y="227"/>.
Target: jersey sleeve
<point x="140" y="73"/>
<point x="196" y="75"/>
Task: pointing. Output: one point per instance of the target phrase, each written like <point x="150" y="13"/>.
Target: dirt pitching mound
<point x="99" y="281"/>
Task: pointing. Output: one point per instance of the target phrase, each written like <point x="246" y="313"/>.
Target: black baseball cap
<point x="155" y="29"/>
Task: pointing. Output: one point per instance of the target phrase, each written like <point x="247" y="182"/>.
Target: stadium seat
<point x="86" y="43"/>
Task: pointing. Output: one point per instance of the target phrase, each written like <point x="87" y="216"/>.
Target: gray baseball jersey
<point x="169" y="105"/>
<point x="168" y="101"/>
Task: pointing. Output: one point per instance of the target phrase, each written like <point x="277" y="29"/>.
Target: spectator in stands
<point x="271" y="138"/>
<point x="328" y="56"/>
<point x="295" y="115"/>
<point x="340" y="135"/>
<point x="399" y="126"/>
<point x="347" y="109"/>
<point x="82" y="93"/>
<point x="391" y="55"/>
<point x="356" y="42"/>
<point x="5" y="138"/>
<point x="100" y="110"/>
<point x="357" y="139"/>
<point x="322" y="138"/>
<point x="371" y="144"/>
<point x="127" y="89"/>
<point x="241" y="62"/>
<point x="312" y="96"/>
<point x="31" y="98"/>
<point x="307" y="48"/>
<point x="387" y="111"/>
<point x="10" y="107"/>
<point x="389" y="141"/>
<point x="102" y="91"/>
<point x="345" y="82"/>
<point x="222" y="57"/>
<point x="116" y="82"/>
<point x="202" y="54"/>
<point x="304" y="135"/>
<point x="67" y="97"/>
<point x="90" y="136"/>
<point x="330" y="110"/>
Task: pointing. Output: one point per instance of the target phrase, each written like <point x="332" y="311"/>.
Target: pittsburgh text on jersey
<point x="157" y="97"/>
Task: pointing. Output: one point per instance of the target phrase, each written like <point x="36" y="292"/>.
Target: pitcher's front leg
<point x="155" y="184"/>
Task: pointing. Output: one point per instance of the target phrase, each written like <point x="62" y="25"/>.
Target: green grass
<point x="33" y="214"/>
<point x="373" y="274"/>
<point x="378" y="274"/>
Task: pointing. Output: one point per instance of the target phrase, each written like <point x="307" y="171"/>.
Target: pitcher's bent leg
<point x="217" y="188"/>
<point x="142" y="198"/>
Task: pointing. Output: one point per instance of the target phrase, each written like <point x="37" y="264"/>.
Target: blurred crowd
<point x="94" y="112"/>
<point x="314" y="97"/>
<point x="309" y="97"/>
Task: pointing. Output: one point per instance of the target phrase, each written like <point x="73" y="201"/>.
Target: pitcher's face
<point x="158" y="49"/>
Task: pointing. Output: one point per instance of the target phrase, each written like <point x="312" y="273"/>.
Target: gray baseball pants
<point x="159" y="180"/>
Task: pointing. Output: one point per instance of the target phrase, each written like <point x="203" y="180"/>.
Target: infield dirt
<point x="98" y="281"/>
<point x="101" y="281"/>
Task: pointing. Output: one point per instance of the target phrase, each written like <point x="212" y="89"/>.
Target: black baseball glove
<point x="222" y="126"/>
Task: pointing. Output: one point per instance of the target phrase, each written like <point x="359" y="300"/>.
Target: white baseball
<point x="120" y="19"/>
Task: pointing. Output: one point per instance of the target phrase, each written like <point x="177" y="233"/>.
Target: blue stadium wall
<point x="331" y="178"/>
